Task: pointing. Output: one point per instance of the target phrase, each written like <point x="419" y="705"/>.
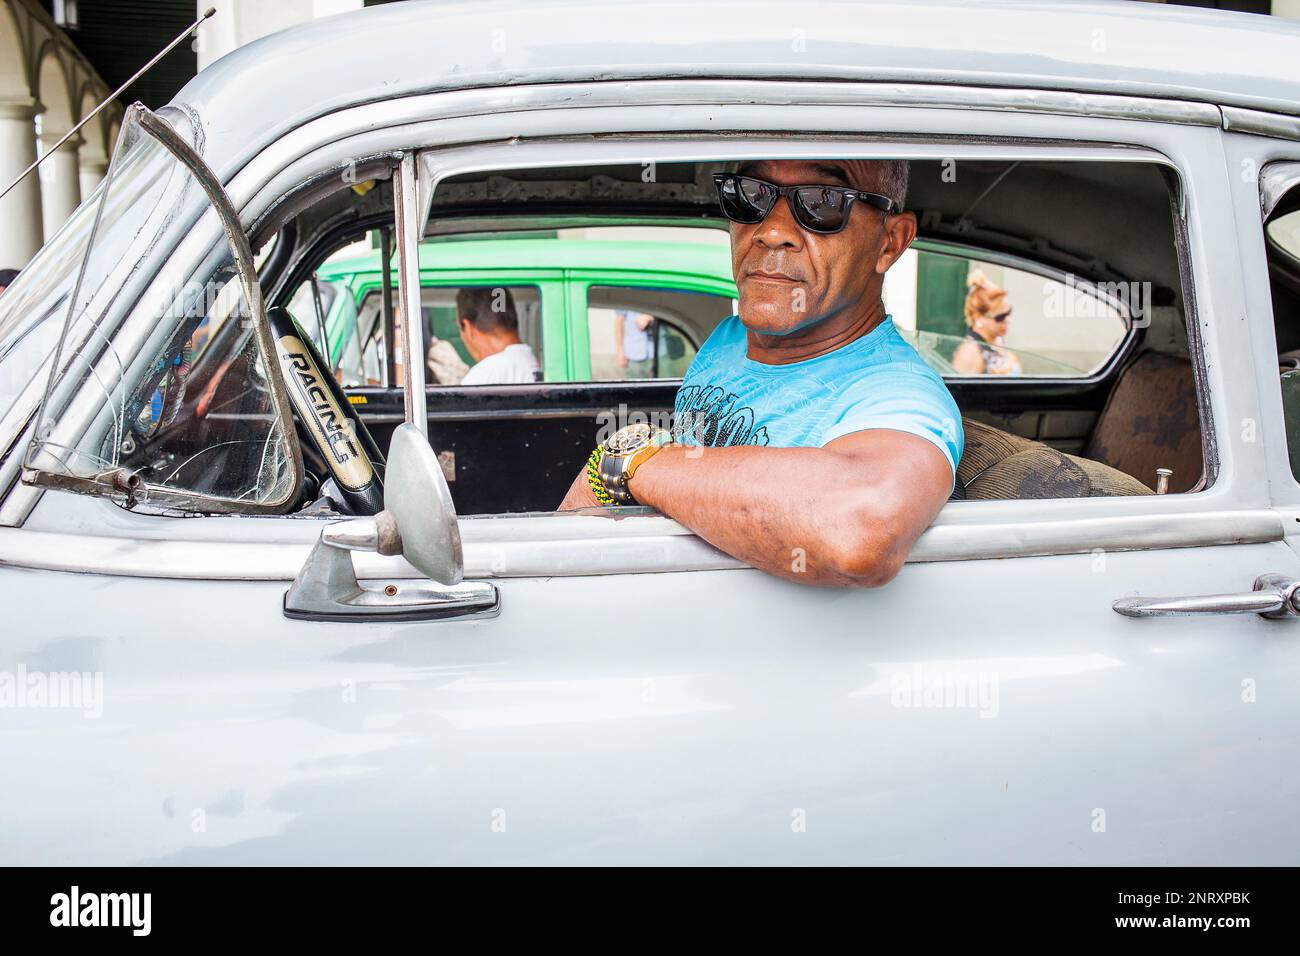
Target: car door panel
<point x="641" y="718"/>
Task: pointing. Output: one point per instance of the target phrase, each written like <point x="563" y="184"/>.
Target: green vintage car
<point x="567" y="292"/>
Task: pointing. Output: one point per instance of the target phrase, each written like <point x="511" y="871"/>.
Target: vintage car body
<point x="640" y="696"/>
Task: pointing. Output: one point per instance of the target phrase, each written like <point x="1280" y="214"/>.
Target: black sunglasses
<point x="820" y="209"/>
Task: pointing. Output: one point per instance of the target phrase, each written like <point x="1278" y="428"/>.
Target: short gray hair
<point x="893" y="180"/>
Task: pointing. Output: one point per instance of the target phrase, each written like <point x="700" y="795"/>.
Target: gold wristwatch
<point x="623" y="453"/>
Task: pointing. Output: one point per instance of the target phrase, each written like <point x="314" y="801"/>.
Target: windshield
<point x="156" y="390"/>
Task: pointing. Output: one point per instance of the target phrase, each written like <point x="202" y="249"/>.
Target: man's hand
<point x="846" y="514"/>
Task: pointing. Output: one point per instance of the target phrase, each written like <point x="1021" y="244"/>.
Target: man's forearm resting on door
<point x="846" y="514"/>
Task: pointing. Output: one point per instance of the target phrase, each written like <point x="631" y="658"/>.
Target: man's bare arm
<point x="846" y="514"/>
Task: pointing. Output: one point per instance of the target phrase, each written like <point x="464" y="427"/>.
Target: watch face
<point x="629" y="439"/>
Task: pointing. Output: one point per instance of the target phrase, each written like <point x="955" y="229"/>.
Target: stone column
<point x="1287" y="8"/>
<point x="21" y="232"/>
<point x="60" y="182"/>
<point x="92" y="171"/>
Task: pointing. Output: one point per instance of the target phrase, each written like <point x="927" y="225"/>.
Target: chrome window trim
<point x="570" y="545"/>
<point x="1276" y="179"/>
<point x="408" y="223"/>
<point x="524" y="101"/>
<point x="1238" y="119"/>
<point x="1278" y="166"/>
<point x="527" y="98"/>
<point x="1211" y="465"/>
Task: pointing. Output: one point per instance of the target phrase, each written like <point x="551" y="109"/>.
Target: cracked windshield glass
<point x="161" y="392"/>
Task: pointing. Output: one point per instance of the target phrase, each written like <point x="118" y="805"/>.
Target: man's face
<point x="790" y="278"/>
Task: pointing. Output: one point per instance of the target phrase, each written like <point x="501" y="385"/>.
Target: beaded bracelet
<point x="593" y="478"/>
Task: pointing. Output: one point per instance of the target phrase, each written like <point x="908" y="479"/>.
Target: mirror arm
<point x="378" y="533"/>
<point x="327" y="589"/>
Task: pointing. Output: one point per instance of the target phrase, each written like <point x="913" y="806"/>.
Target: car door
<point x="640" y="697"/>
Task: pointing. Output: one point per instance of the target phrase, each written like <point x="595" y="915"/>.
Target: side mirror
<point x="419" y="500"/>
<point x="419" y="523"/>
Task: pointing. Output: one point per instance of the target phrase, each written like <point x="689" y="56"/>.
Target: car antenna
<point x="112" y="96"/>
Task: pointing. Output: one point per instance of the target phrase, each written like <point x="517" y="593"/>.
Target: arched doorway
<point x="20" y="210"/>
<point x="60" y="175"/>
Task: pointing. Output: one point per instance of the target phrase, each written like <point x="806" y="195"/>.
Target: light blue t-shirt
<point x="876" y="381"/>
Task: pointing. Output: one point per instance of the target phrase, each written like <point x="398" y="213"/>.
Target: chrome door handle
<point x="1275" y="596"/>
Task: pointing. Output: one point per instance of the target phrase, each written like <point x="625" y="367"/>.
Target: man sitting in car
<point x="489" y="328"/>
<point x="810" y="439"/>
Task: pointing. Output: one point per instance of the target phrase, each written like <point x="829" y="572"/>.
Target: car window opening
<point x="1046" y="294"/>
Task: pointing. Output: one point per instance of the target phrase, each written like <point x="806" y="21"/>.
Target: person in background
<point x="443" y="361"/>
<point x="445" y="364"/>
<point x="987" y="314"/>
<point x="7" y="277"/>
<point x="634" y="337"/>
<point x="489" y="328"/>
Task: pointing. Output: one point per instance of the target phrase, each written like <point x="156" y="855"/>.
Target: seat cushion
<point x="1151" y="421"/>
<point x="985" y="447"/>
<point x="1107" y="482"/>
<point x="1039" y="472"/>
<point x="999" y="465"/>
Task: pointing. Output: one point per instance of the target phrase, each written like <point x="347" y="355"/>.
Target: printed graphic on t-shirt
<point x="708" y="415"/>
<point x="876" y="381"/>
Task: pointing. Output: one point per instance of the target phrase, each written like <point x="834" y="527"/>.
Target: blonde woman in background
<point x="987" y="315"/>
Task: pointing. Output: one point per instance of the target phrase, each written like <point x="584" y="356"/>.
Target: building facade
<point x="46" y="87"/>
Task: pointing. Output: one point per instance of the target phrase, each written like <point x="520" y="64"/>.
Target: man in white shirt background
<point x="489" y="329"/>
